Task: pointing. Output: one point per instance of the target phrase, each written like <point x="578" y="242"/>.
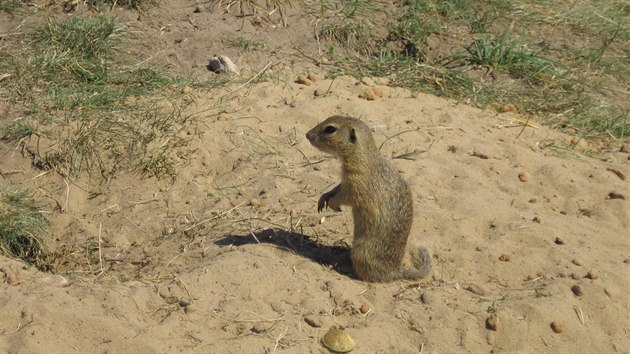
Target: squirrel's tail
<point x="421" y="261"/>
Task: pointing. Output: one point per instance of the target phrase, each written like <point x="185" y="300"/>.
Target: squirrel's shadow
<point x="336" y="257"/>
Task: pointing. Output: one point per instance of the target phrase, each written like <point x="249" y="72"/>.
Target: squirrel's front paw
<point x="325" y="202"/>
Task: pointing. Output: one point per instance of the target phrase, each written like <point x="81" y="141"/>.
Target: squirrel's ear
<point x="353" y="136"/>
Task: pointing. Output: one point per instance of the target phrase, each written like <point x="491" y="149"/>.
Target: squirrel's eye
<point x="330" y="129"/>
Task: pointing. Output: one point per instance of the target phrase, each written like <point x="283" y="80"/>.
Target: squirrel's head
<point x="342" y="136"/>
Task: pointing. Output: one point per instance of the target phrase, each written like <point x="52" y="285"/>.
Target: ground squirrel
<point x="380" y="198"/>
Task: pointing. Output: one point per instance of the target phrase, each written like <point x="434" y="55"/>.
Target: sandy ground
<point x="232" y="256"/>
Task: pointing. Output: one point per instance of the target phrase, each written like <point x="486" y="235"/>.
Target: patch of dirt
<point x="232" y="255"/>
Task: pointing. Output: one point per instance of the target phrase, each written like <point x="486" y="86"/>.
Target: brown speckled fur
<point x="380" y="199"/>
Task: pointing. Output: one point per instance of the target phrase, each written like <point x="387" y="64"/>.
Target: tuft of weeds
<point x="245" y="44"/>
<point x="578" y="85"/>
<point x="89" y="112"/>
<point x="10" y="6"/>
<point x="134" y="4"/>
<point x="355" y="36"/>
<point x="600" y="18"/>
<point x="511" y="55"/>
<point x="265" y="11"/>
<point x="345" y="8"/>
<point x="415" y="75"/>
<point x="22" y="228"/>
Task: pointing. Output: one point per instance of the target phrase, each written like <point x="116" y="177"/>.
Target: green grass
<point x="246" y="44"/>
<point x="498" y="52"/>
<point x="89" y="111"/>
<point x="22" y="228"/>
<point x="10" y="6"/>
<point x="355" y="36"/>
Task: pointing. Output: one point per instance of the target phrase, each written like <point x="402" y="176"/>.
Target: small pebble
<point x="13" y="279"/>
<point x="576" y="262"/>
<point x="184" y="303"/>
<point x="426" y="299"/>
<point x="314" y="77"/>
<point x="616" y="195"/>
<point x="577" y="290"/>
<point x="559" y="241"/>
<point x="504" y="258"/>
<point x="524" y="177"/>
<point x="368" y="94"/>
<point x="508" y="107"/>
<point x="319" y="93"/>
<point x="254" y="202"/>
<point x="199" y="9"/>
<point x="338" y="340"/>
<point x="189" y="309"/>
<point x="303" y="80"/>
<point x="365" y="308"/>
<point x="536" y="219"/>
<point x="558" y="326"/>
<point x="592" y="274"/>
<point x="492" y="322"/>
<point x="626" y="261"/>
<point x="260" y="327"/>
<point x="476" y="289"/>
<point x="313" y="321"/>
<point x="367" y="81"/>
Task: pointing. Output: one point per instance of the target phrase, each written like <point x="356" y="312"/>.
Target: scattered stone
<point x="479" y="155"/>
<point x="303" y="80"/>
<point x="199" y="9"/>
<point x="558" y="326"/>
<point x="254" y="202"/>
<point x="338" y="340"/>
<point x="367" y="95"/>
<point x="476" y="289"/>
<point x="55" y="280"/>
<point x="184" y="303"/>
<point x="365" y="308"/>
<point x="425" y="298"/>
<point x="260" y="327"/>
<point x="367" y="81"/>
<point x="586" y="212"/>
<point x="510" y="108"/>
<point x="222" y="65"/>
<point x="314" y="77"/>
<point x="576" y="262"/>
<point x="533" y="201"/>
<point x="592" y="274"/>
<point x="617" y="173"/>
<point x="577" y="290"/>
<point x="189" y="309"/>
<point x="626" y="261"/>
<point x="536" y="219"/>
<point x="524" y="177"/>
<point x="371" y="93"/>
<point x="13" y="279"/>
<point x="382" y="81"/>
<point x="559" y="241"/>
<point x="616" y="195"/>
<point x="504" y="258"/>
<point x="492" y="322"/>
<point x="313" y="321"/>
<point x="319" y="92"/>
